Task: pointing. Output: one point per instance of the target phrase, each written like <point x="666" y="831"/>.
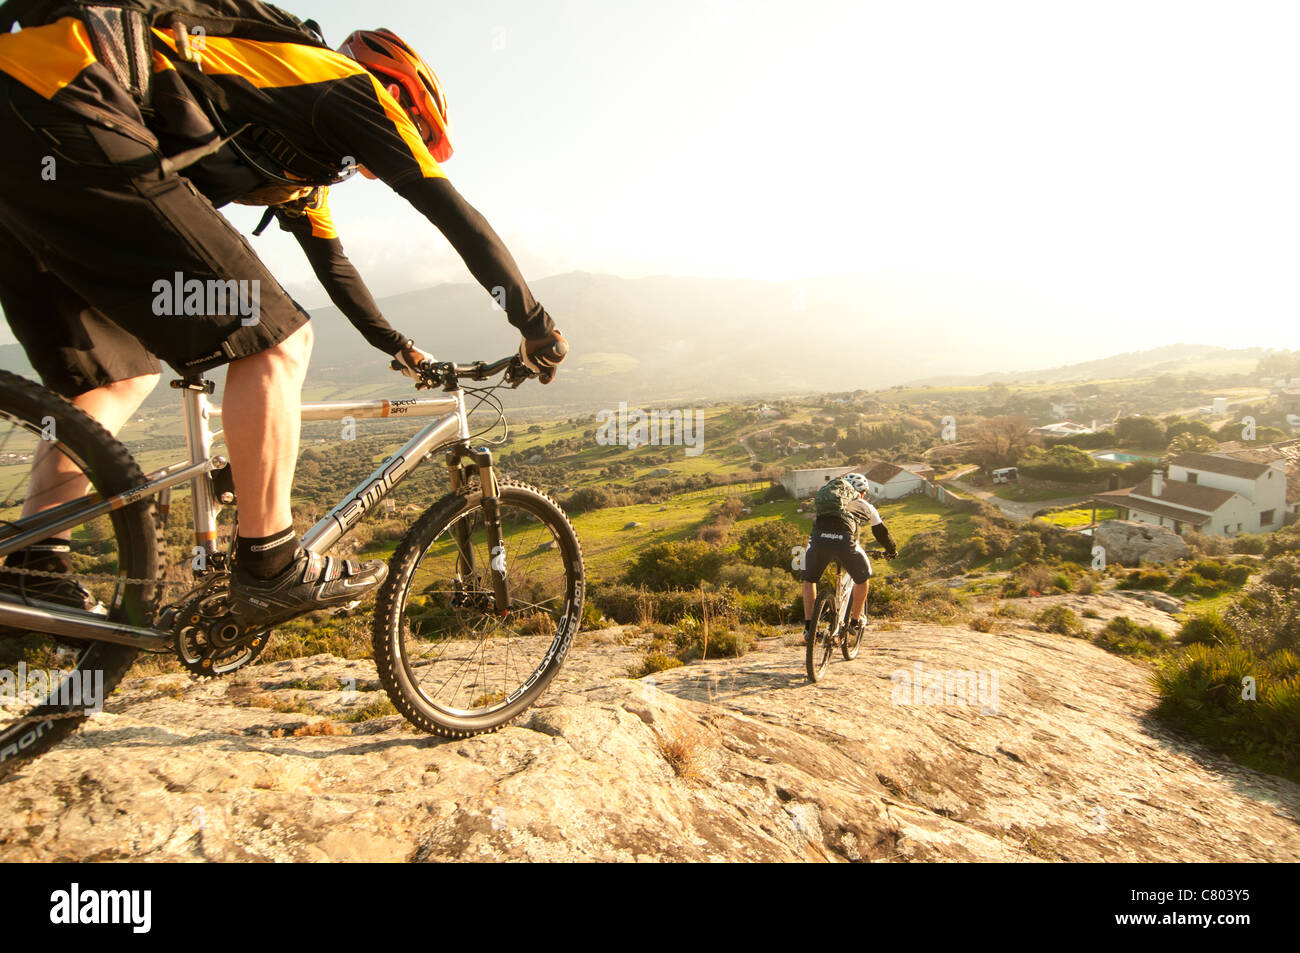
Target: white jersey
<point x="863" y="512"/>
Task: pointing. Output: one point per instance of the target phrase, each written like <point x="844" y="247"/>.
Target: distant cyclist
<point x="842" y="507"/>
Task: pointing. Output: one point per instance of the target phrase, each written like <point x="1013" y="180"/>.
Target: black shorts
<point x="829" y="544"/>
<point x="106" y="260"/>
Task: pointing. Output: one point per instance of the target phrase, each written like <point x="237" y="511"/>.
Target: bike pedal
<point x="343" y="610"/>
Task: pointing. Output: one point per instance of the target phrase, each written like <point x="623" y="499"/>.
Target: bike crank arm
<point x="36" y="616"/>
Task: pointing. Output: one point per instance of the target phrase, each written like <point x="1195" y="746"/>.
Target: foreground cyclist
<point x="82" y="249"/>
<point x="842" y="507"/>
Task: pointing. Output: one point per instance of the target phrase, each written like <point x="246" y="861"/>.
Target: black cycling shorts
<point x="107" y="260"/>
<point x="827" y="545"/>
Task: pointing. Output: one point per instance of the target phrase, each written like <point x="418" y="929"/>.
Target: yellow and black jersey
<point x="330" y="108"/>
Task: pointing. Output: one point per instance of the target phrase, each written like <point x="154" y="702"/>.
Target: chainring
<point x="210" y="640"/>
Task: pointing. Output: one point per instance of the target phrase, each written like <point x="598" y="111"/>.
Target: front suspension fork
<point x="458" y="460"/>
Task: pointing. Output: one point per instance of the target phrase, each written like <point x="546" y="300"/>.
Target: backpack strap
<point x="267" y="217"/>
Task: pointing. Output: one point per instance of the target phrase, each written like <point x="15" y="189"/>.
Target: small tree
<point x="1001" y="441"/>
<point x="1144" y="433"/>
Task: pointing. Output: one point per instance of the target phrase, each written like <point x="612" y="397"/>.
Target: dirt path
<point x="1021" y="512"/>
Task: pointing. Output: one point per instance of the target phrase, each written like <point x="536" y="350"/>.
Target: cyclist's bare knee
<point x="290" y="357"/>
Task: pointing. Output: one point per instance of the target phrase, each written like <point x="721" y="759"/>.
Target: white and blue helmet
<point x="858" y="482"/>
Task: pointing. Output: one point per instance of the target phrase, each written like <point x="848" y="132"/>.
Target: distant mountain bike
<point x="483" y="597"/>
<point x="831" y="615"/>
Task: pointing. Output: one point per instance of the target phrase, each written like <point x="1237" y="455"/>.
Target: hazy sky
<point x="1131" y="164"/>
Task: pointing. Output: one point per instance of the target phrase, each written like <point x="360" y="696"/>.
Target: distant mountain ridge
<point x="1170" y="359"/>
<point x="665" y="339"/>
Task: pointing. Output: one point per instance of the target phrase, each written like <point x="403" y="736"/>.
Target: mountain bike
<point x="483" y="598"/>
<point x="831" y="615"/>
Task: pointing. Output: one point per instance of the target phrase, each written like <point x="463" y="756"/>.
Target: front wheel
<point x="852" y="642"/>
<point x="451" y="663"/>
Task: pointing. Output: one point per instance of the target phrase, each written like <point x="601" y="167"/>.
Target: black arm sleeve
<point x="343" y="284"/>
<point x="486" y="256"/>
<point x="881" y="533"/>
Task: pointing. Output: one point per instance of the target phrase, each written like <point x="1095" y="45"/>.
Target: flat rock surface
<point x="740" y="759"/>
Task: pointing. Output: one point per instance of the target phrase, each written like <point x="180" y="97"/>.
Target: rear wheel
<point x="817" y="654"/>
<point x="48" y="683"/>
<point x="450" y="663"/>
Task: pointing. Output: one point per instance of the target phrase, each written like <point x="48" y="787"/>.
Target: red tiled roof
<point x="882" y="473"/>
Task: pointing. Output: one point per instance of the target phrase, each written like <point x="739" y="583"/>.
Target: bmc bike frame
<point x="450" y="429"/>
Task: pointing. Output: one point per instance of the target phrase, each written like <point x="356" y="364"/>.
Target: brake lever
<point x="517" y="373"/>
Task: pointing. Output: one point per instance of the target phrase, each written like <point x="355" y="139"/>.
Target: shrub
<point x="771" y="545"/>
<point x="1145" y="579"/>
<point x="937" y="604"/>
<point x="984" y="623"/>
<point x="1207" y="545"/>
<point x="1028" y="580"/>
<point x="680" y="565"/>
<point x="1191" y="583"/>
<point x="1126" y="637"/>
<point x="1285" y="540"/>
<point x="1284" y="573"/>
<point x="1059" y="619"/>
<point x="1266" y="619"/>
<point x="1250" y="544"/>
<point x="656" y="661"/>
<point x="775" y="493"/>
<point x="628" y="604"/>
<point x="1208" y="628"/>
<point x="1208" y="569"/>
<point x="1202" y="692"/>
<point x="1028" y="547"/>
<point x="719" y="639"/>
<point x="593" y="498"/>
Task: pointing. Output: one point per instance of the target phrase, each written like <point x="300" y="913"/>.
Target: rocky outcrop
<point x="1133" y="544"/>
<point x="938" y="743"/>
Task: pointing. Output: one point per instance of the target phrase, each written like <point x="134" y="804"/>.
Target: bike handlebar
<point x="440" y="373"/>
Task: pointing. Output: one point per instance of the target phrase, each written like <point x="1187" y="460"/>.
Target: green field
<point x="1080" y="516"/>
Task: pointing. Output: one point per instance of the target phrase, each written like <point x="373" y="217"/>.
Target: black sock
<point x="266" y="556"/>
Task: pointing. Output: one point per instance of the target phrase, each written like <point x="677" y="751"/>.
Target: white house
<point x="1214" y="493"/>
<point x="802" y="484"/>
<point x="1064" y="428"/>
<point x="890" y="482"/>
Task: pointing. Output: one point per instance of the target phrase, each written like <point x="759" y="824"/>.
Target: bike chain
<point x="100" y="577"/>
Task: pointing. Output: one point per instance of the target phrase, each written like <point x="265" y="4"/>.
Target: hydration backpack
<point x="834" y="498"/>
<point x="119" y="32"/>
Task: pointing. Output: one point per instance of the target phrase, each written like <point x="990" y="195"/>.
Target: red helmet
<point x="391" y="60"/>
